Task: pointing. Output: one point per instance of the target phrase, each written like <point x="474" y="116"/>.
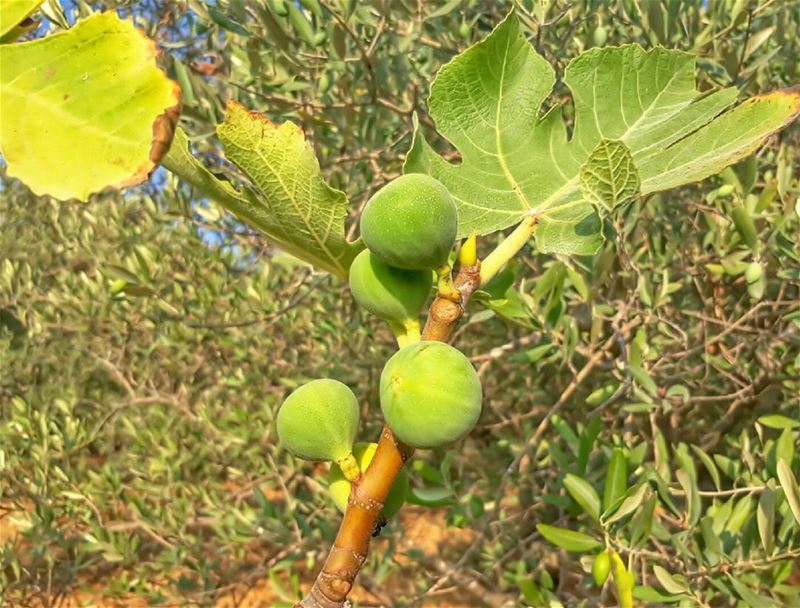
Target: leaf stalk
<point x="508" y="248"/>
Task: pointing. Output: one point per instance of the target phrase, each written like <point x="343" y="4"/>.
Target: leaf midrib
<point x="515" y="187"/>
<point x="290" y="196"/>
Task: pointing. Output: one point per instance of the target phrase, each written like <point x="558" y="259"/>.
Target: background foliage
<point x="146" y="341"/>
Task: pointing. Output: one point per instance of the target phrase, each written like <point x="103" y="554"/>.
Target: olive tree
<point x="639" y="126"/>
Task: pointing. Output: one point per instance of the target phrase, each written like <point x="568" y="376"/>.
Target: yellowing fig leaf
<point x="85" y="109"/>
<point x="13" y="12"/>
<point x="659" y="133"/>
<point x="290" y="202"/>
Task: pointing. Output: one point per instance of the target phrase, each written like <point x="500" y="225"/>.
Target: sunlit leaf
<point x="776" y="421"/>
<point x="85" y="109"/>
<point x="13" y="12"/>
<point x="487" y="103"/>
<point x="290" y="203"/>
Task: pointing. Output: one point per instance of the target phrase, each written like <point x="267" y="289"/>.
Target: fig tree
<point x="318" y="421"/>
<point x="339" y="486"/>
<point x="411" y="223"/>
<point x="430" y="394"/>
<point x="393" y="294"/>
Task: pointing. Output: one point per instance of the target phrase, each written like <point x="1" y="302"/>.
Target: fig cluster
<point x="409" y="227"/>
<point x="430" y="393"/>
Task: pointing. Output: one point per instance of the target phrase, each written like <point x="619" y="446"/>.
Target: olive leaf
<point x="568" y="539"/>
<point x="289" y="201"/>
<point x="85" y="109"/>
<point x="515" y="161"/>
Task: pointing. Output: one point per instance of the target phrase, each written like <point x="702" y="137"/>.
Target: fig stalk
<point x="406" y="333"/>
<point x="508" y="248"/>
<point x="349" y="467"/>
<point x="444" y="283"/>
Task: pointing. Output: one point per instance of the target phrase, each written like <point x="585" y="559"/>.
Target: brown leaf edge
<point x="163" y="126"/>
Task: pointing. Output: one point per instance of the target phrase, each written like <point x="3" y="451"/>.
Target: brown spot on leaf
<point x="258" y="116"/>
<point x="164" y="130"/>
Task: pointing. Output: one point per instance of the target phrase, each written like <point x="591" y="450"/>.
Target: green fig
<point x="430" y="394"/>
<point x="392" y="294"/>
<point x="318" y="421"/>
<point x="339" y="486"/>
<point x="411" y="223"/>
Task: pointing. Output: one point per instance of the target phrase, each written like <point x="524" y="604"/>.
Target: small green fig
<point x="339" y="486"/>
<point x="392" y="294"/>
<point x="318" y="421"/>
<point x="600" y="568"/>
<point x="411" y="223"/>
<point x="430" y="394"/>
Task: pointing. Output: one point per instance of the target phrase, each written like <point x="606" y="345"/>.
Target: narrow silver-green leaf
<point x="584" y="494"/>
<point x="609" y="177"/>
<point x="630" y="504"/>
<point x="13" y="12"/>
<point x="750" y="597"/>
<point x="669" y="582"/>
<point x="712" y="542"/>
<point x="765" y="517"/>
<point x="708" y="463"/>
<point x="776" y="421"/>
<point x="616" y="478"/>
<point x="568" y="539"/>
<point x="740" y="515"/>
<point x="689" y="485"/>
<point x="790" y="489"/>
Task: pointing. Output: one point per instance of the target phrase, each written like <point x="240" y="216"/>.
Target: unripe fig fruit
<point x="411" y="223"/>
<point x="339" y="486"/>
<point x="430" y="394"/>
<point x="318" y="421"/>
<point x="392" y="294"/>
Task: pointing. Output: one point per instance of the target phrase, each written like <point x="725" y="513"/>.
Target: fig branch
<point x="369" y="490"/>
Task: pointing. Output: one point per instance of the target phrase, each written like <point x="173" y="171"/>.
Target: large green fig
<point x="318" y="421"/>
<point x="430" y="394"/>
<point x="339" y="486"/>
<point x="411" y="223"/>
<point x="393" y="294"/>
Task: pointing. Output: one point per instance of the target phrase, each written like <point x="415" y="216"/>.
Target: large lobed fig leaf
<point x="289" y="200"/>
<point x="85" y="109"/>
<point x="640" y="126"/>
